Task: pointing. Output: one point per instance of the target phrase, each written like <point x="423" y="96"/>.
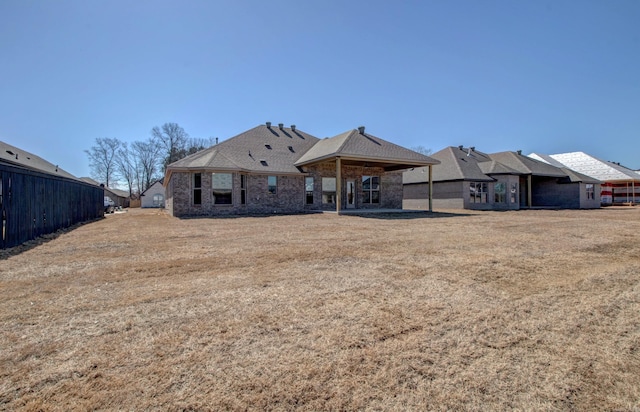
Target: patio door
<point x="351" y="194"/>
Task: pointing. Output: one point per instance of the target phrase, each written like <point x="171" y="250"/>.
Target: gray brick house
<point x="469" y="179"/>
<point x="277" y="169"/>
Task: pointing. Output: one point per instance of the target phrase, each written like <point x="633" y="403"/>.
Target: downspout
<point x="430" y="188"/>
<point x="338" y="184"/>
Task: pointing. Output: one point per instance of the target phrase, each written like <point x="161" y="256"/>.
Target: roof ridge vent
<point x="293" y="127"/>
<point x="269" y="124"/>
<point x="281" y="126"/>
<point x="361" y="129"/>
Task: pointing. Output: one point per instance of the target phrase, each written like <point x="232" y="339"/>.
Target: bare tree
<point x="422" y="150"/>
<point x="102" y="159"/>
<point x="125" y="164"/>
<point x="173" y="139"/>
<point x="148" y="160"/>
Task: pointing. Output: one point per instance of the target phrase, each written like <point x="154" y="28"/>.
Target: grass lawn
<point x="527" y="310"/>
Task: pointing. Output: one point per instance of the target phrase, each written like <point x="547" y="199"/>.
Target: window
<point x="243" y="189"/>
<point x="500" y="190"/>
<point x="222" y="185"/>
<point x="329" y="190"/>
<point x="478" y="192"/>
<point x="197" y="188"/>
<point x="308" y="190"/>
<point x="371" y="189"/>
<point x="157" y="200"/>
<point x="272" y="183"/>
<point x="590" y="191"/>
<point x="514" y="192"/>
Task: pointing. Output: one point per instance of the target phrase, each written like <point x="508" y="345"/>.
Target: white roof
<point x="591" y="166"/>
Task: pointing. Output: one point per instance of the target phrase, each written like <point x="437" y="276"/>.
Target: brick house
<point x="469" y="179"/>
<point x="271" y="169"/>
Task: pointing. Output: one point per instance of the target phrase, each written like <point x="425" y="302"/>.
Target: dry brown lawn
<point x="528" y="310"/>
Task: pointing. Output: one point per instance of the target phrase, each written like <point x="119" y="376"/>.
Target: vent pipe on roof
<point x="281" y="126"/>
<point x="519" y="152"/>
<point x="460" y="147"/>
<point x="216" y="140"/>
<point x="473" y="148"/>
<point x="293" y="127"/>
<point x="269" y="124"/>
<point x="361" y="129"/>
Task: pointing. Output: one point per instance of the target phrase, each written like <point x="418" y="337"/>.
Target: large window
<point x="197" y="188"/>
<point x="222" y="184"/>
<point x="272" y="183"/>
<point x="308" y="190"/>
<point x="371" y="189"/>
<point x="478" y="192"/>
<point x="243" y="189"/>
<point x="500" y="192"/>
<point x="591" y="194"/>
<point x="329" y="190"/>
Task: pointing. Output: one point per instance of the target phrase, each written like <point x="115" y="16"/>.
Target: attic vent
<point x="460" y="147"/>
<point x="519" y="152"/>
<point x="263" y="162"/>
<point x="291" y="149"/>
<point x="268" y="124"/>
<point x="361" y="129"/>
<point x="281" y="126"/>
<point x="268" y="146"/>
<point x="293" y="127"/>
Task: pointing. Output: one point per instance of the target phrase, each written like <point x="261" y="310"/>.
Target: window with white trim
<point x="243" y="189"/>
<point x="478" y="192"/>
<point x="272" y="184"/>
<point x="308" y="190"/>
<point x="371" y="189"/>
<point x="197" y="188"/>
<point x="222" y="185"/>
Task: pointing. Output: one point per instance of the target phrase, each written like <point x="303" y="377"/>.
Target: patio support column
<point x="338" y="184"/>
<point x="529" y="200"/>
<point x="430" y="188"/>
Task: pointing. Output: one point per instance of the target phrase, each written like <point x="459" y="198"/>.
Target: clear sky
<point x="540" y="76"/>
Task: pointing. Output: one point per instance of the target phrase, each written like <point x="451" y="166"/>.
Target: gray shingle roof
<point x="526" y="165"/>
<point x="458" y="163"/>
<point x="261" y="149"/>
<point x="356" y="145"/>
<point x="455" y="164"/>
<point x="19" y="157"/>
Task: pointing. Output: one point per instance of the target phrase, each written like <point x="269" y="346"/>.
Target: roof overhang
<point x="388" y="164"/>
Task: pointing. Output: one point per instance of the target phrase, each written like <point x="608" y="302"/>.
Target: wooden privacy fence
<point x="33" y="204"/>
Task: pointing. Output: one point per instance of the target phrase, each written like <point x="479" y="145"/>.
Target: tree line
<point x="139" y="164"/>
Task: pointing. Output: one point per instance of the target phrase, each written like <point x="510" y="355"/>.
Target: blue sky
<point x="539" y="76"/>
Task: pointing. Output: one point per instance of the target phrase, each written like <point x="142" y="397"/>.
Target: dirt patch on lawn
<point x="528" y="310"/>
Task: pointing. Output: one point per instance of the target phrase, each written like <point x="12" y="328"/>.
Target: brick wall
<point x="289" y="197"/>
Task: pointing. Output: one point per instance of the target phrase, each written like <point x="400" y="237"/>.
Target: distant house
<point x="119" y="197"/>
<point x="38" y="197"/>
<point x="620" y="185"/>
<point x="154" y="195"/>
<point x="280" y="169"/>
<point x="469" y="179"/>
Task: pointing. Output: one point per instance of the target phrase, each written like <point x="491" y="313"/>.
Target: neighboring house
<point x="120" y="198"/>
<point x="154" y="195"/>
<point x="38" y="197"/>
<point x="620" y="185"/>
<point x="280" y="169"/>
<point x="469" y="179"/>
